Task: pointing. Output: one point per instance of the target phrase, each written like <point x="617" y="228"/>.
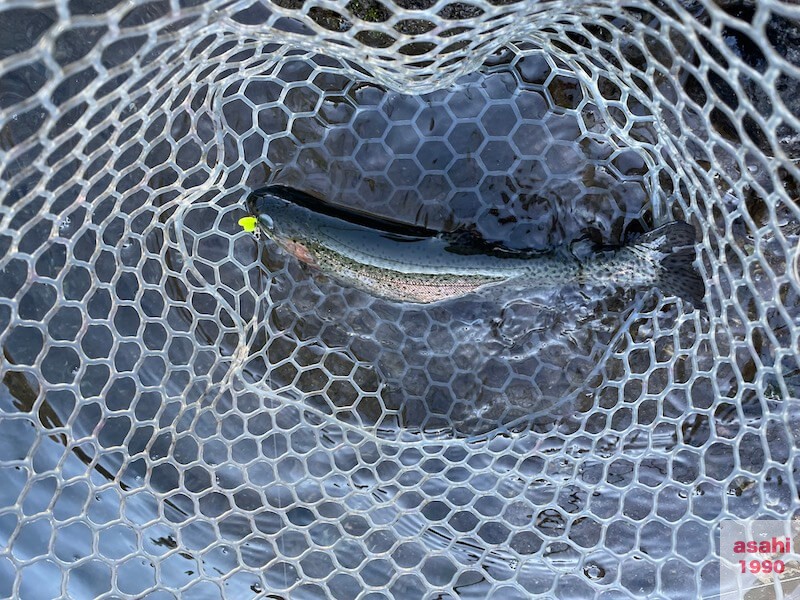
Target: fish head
<point x="287" y="224"/>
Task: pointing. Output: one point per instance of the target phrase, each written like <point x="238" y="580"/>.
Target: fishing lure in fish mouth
<point x="407" y="263"/>
<point x="248" y="223"/>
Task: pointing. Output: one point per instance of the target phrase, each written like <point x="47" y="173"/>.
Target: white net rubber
<point x="186" y="412"/>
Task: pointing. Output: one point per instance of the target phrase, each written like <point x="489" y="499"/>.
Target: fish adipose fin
<point x="674" y="247"/>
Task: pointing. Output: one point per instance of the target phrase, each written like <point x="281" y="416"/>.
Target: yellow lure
<point x="248" y="223"/>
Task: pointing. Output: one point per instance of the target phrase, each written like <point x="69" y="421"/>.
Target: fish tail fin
<point x="674" y="246"/>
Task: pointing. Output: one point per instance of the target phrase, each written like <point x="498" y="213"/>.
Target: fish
<point x="410" y="263"/>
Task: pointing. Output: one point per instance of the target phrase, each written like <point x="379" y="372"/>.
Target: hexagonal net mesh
<point x="186" y="411"/>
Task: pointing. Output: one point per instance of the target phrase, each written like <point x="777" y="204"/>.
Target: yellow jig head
<point x="248" y="223"/>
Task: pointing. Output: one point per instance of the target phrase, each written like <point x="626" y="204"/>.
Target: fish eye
<point x="267" y="222"/>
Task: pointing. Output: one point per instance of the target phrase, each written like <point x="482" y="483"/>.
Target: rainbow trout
<point x="413" y="264"/>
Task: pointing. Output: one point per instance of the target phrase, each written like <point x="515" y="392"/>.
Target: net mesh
<point x="188" y="412"/>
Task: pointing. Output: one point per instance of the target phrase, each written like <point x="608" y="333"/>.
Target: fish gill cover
<point x="186" y="413"/>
